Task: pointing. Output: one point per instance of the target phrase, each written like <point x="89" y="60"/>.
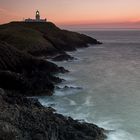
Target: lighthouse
<point x="37" y="18"/>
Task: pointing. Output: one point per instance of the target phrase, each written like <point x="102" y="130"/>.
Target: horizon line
<point x="96" y="26"/>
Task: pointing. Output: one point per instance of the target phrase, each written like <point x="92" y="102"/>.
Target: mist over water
<point x="103" y="86"/>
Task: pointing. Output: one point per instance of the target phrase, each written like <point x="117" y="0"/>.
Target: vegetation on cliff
<point x="42" y="38"/>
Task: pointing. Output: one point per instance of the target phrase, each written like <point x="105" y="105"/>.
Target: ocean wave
<point x="120" y="135"/>
<point x="88" y="101"/>
<point x="65" y="92"/>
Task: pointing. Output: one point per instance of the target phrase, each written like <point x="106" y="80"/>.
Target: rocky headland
<point x="25" y="71"/>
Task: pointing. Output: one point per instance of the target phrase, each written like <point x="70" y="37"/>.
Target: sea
<point x="103" y="85"/>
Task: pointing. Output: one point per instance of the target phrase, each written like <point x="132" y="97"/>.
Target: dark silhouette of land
<point x="24" y="71"/>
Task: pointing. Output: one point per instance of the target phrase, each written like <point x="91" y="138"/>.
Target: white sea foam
<point x="78" y="116"/>
<point x="46" y="102"/>
<point x="120" y="135"/>
<point x="65" y="92"/>
<point x="88" y="101"/>
<point x="71" y="102"/>
<point x="67" y="78"/>
<point x="96" y="47"/>
<point x="114" y="126"/>
<point x="109" y="123"/>
<point x="68" y="89"/>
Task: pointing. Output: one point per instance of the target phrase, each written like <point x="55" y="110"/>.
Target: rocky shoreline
<point x="27" y="119"/>
<point x="24" y="72"/>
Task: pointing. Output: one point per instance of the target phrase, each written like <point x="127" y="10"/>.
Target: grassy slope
<point x="25" y="39"/>
<point x="42" y="37"/>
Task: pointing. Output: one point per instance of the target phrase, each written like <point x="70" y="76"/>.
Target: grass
<point x="35" y="37"/>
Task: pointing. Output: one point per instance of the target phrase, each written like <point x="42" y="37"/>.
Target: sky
<point x="75" y="13"/>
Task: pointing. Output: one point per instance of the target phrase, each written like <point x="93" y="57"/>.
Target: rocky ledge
<point x="27" y="119"/>
<point x="25" y="74"/>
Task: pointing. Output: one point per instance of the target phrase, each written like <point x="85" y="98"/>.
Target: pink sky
<point x="96" y="13"/>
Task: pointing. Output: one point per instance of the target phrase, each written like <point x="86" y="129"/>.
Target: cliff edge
<point x="42" y="38"/>
<point x="23" y="72"/>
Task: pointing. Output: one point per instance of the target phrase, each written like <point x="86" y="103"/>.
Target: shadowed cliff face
<point x="27" y="119"/>
<point x="21" y="42"/>
<point x="24" y="73"/>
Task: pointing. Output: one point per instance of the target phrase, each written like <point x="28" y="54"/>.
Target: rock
<point x="26" y="74"/>
<point x="8" y="131"/>
<point x="2" y="92"/>
<point x="71" y="87"/>
<point x="62" y="57"/>
<point x="68" y="88"/>
<point x="23" y="73"/>
<point x="27" y="119"/>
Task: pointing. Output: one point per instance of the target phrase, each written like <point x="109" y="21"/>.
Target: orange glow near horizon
<point x="73" y="12"/>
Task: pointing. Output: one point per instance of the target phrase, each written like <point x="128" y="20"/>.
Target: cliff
<point x="42" y="38"/>
<point x="24" y="73"/>
<point x="21" y="72"/>
<point x="21" y="43"/>
<point x="27" y="119"/>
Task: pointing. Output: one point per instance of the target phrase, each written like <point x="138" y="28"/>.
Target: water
<point x="109" y="77"/>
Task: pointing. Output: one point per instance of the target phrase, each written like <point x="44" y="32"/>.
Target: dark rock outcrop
<point x="27" y="119"/>
<point x="26" y="74"/>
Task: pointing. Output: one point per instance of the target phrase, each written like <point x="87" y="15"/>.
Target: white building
<point x="37" y="18"/>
